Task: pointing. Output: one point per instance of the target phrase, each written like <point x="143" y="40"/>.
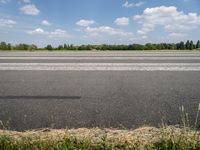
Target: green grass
<point x="149" y="138"/>
<point x="100" y="51"/>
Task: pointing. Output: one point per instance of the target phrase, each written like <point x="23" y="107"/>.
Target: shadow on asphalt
<point x="40" y="97"/>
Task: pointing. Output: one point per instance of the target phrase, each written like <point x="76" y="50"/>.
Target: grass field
<point x="150" y="138"/>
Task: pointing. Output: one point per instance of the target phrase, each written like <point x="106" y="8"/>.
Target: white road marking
<point x="99" y="58"/>
<point x="101" y="66"/>
<point x="99" y="54"/>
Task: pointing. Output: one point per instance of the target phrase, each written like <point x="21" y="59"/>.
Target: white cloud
<point x="169" y="18"/>
<point x="7" y="23"/>
<point x="144" y="37"/>
<point x="123" y="21"/>
<point x="107" y="30"/>
<point x="37" y="31"/>
<point x="30" y="9"/>
<point x="58" y="33"/>
<point x="85" y="23"/>
<point x="139" y="4"/>
<point x="26" y="1"/>
<point x="4" y="1"/>
<point x="128" y="5"/>
<point x="45" y="23"/>
<point x="174" y="34"/>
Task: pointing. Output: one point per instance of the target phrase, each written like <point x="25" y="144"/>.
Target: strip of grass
<point x="100" y="51"/>
<point x="166" y="138"/>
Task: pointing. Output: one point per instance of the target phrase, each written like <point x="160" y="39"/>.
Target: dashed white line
<point x="101" y="66"/>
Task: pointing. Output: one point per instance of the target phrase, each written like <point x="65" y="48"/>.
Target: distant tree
<point x="160" y="46"/>
<point x="3" y="46"/>
<point x="198" y="44"/>
<point x="191" y="45"/>
<point x="72" y="47"/>
<point x="25" y="46"/>
<point x="165" y="45"/>
<point x="32" y="47"/>
<point x="65" y="46"/>
<point x="104" y="47"/>
<point x="22" y="46"/>
<point x="173" y="46"/>
<point x="177" y="46"/>
<point x="150" y="46"/>
<point x="138" y="47"/>
<point x="9" y="46"/>
<point x="187" y="45"/>
<point x="60" y="47"/>
<point x="49" y="47"/>
<point x="182" y="45"/>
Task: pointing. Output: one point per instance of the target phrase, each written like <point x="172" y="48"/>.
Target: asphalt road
<point x="126" y="90"/>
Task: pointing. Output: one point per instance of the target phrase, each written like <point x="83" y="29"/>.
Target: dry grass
<point x="95" y="138"/>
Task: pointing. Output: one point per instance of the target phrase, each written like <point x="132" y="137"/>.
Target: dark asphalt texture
<point x="40" y="99"/>
<point x="119" y="99"/>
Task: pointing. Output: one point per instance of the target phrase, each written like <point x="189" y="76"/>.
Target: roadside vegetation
<point x="189" y="45"/>
<point x="166" y="138"/>
<point x="182" y="137"/>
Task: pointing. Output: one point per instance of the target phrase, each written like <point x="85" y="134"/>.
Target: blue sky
<point x="56" y="22"/>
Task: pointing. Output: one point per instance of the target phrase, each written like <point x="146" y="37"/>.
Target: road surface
<point x="90" y="89"/>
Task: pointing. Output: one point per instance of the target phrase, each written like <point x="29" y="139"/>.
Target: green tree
<point x="66" y="46"/>
<point x="198" y="44"/>
<point x="191" y="45"/>
<point x="150" y="46"/>
<point x="25" y="46"/>
<point x="182" y="45"/>
<point x="60" y="47"/>
<point x="3" y="46"/>
<point x="9" y="46"/>
<point x="32" y="47"/>
<point x="72" y="47"/>
<point x="173" y="46"/>
<point x="187" y="45"/>
<point x="49" y="47"/>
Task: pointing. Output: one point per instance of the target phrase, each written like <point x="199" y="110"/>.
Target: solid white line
<point x="101" y="66"/>
<point x="99" y="58"/>
<point x="99" y="54"/>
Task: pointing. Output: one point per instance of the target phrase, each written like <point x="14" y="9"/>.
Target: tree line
<point x="189" y="45"/>
<point x="8" y="46"/>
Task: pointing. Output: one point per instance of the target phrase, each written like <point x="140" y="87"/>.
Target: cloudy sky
<point x="98" y="21"/>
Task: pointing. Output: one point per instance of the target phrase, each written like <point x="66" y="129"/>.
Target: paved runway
<point x="90" y="89"/>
